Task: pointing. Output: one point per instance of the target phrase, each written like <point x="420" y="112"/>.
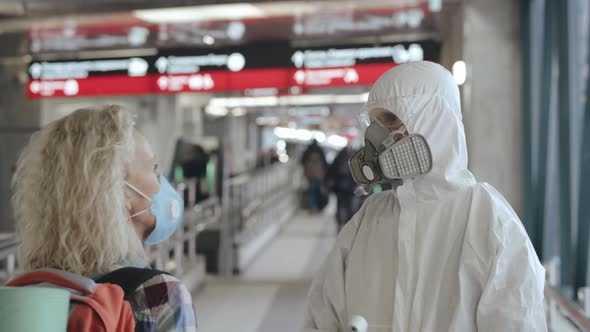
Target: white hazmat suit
<point x="442" y="252"/>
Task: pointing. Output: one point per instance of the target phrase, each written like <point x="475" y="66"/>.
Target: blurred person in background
<point x="88" y="194"/>
<point x="442" y="252"/>
<point x="194" y="165"/>
<point x="273" y="156"/>
<point x="267" y="158"/>
<point x="315" y="167"/>
<point x="340" y="181"/>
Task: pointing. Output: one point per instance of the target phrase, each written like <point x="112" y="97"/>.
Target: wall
<point x="492" y="111"/>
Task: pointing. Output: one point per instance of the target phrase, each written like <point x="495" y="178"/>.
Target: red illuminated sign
<point x="214" y="81"/>
<point x="253" y="67"/>
<point x="365" y="74"/>
<point x="93" y="86"/>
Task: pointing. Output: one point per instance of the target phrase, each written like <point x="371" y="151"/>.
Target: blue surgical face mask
<point x="167" y="206"/>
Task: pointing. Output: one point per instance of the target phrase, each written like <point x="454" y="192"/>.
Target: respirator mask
<point x="388" y="156"/>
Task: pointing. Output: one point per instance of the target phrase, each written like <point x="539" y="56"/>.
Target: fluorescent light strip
<point x="460" y="72"/>
<point x="306" y="135"/>
<point x="288" y="100"/>
<point x="199" y="13"/>
<point x="230" y="11"/>
<point x="268" y="121"/>
<point x="216" y="111"/>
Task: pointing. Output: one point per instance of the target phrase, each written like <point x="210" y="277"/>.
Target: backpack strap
<point x="129" y="278"/>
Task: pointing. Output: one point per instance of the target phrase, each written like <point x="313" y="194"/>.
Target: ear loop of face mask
<point x="142" y="195"/>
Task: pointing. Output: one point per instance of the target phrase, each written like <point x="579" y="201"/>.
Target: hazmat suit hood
<point x="425" y="97"/>
<point x="441" y="253"/>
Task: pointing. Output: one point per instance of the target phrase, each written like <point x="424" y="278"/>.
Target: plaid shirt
<point x="163" y="303"/>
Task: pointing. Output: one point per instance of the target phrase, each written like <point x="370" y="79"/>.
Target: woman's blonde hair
<point x="69" y="199"/>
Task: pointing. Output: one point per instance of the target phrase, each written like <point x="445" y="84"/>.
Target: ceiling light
<point x="199" y="13"/>
<point x="268" y="121"/>
<point x="299" y="100"/>
<point x="337" y="141"/>
<point x="309" y="111"/>
<point x="281" y="145"/>
<point x="319" y="136"/>
<point x="415" y="52"/>
<point x="460" y="72"/>
<point x="364" y="97"/>
<point x="244" y="101"/>
<point x="284" y="133"/>
<point x="284" y="158"/>
<point x="240" y="111"/>
<point x="216" y="111"/>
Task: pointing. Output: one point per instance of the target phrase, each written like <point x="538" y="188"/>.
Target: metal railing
<point x="179" y="252"/>
<point x="8" y="247"/>
<point x="258" y="202"/>
<point x="564" y="315"/>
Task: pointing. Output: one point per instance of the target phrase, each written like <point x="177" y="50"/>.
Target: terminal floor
<point x="270" y="295"/>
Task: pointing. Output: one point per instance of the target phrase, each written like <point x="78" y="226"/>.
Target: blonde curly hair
<point x="69" y="199"/>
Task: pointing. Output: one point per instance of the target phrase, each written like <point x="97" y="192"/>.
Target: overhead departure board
<point x="276" y="65"/>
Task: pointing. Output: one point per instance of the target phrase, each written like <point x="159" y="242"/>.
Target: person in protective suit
<point x="442" y="252"/>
